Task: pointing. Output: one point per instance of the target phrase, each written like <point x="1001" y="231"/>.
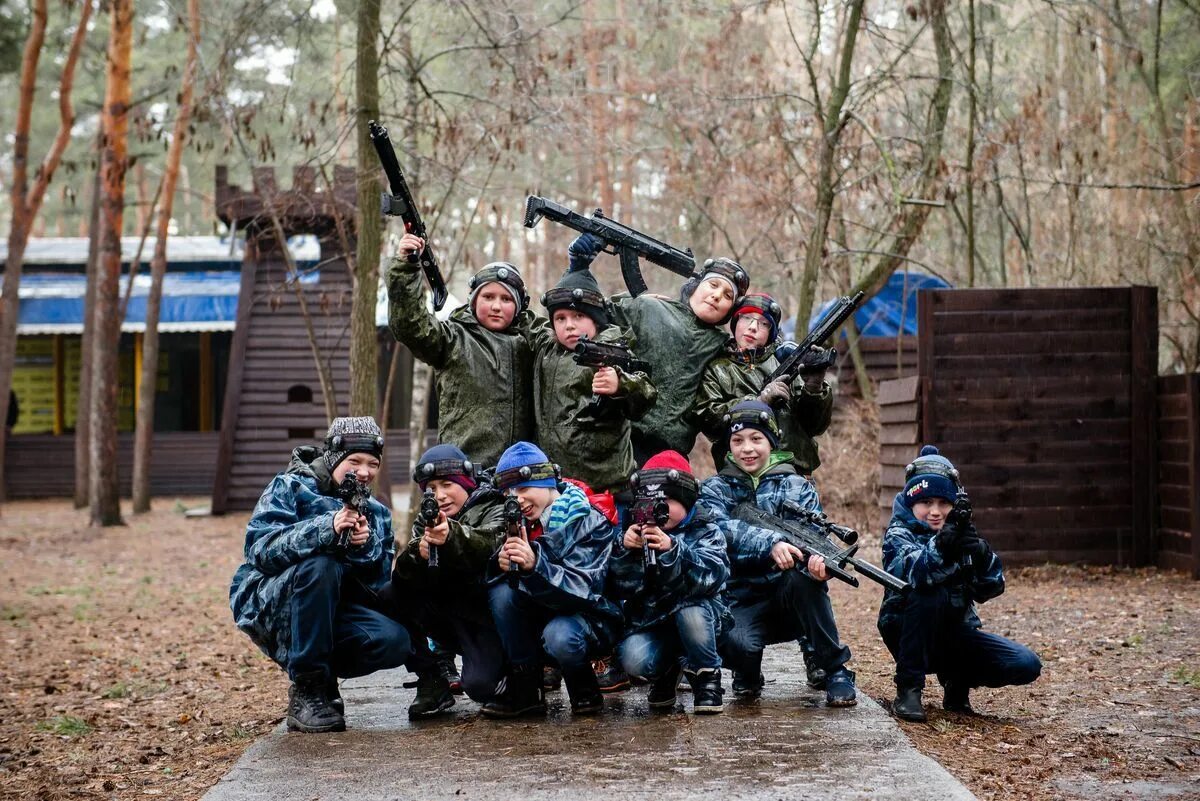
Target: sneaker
<point x="662" y="689"/>
<point x="309" y="710"/>
<point x="747" y="689"/>
<point x="706" y="691"/>
<point x="551" y="678"/>
<point x="433" y="697"/>
<point x="609" y="675"/>
<point x="957" y="698"/>
<point x="522" y="695"/>
<point x="839" y="688"/>
<point x="449" y="671"/>
<point x="907" y="705"/>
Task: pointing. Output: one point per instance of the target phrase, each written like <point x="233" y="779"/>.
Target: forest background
<point x="822" y="144"/>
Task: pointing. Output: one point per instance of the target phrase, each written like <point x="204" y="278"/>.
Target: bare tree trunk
<point x="144" y="433"/>
<point x="971" y="112"/>
<point x="383" y="484"/>
<point x="417" y="428"/>
<point x="83" y="402"/>
<point x="26" y="198"/>
<point x="364" y="343"/>
<point x="104" y="490"/>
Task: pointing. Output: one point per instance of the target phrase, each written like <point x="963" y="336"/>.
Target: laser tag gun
<point x="514" y="522"/>
<point x="428" y="518"/>
<point x="800" y="360"/>
<point x="650" y="509"/>
<point x="399" y="203"/>
<point x="960" y="525"/>
<point x="356" y="495"/>
<point x="625" y="242"/>
<point x="810" y="532"/>
<point x="606" y="354"/>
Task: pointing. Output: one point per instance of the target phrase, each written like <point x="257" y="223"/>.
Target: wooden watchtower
<point x="273" y="396"/>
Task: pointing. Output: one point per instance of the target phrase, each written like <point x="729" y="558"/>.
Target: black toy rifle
<point x="960" y="524"/>
<point x="810" y="532"/>
<point x="628" y="244"/>
<point x="650" y="509"/>
<point x="399" y="203"/>
<point x="606" y="354"/>
<point x="825" y="330"/>
<point x="515" y="523"/>
<point x="428" y="518"/>
<point x="356" y="495"/>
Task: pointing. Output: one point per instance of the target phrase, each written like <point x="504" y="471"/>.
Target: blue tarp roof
<point x="893" y="311"/>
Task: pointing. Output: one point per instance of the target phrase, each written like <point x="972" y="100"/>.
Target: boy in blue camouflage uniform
<point x="309" y="592"/>
<point x="931" y="543"/>
<point x="673" y="607"/>
<point x="547" y="590"/>
<point x="774" y="598"/>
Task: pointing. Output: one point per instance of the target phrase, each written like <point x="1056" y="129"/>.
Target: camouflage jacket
<point x="475" y="534"/>
<point x="678" y="346"/>
<point x="749" y="546"/>
<point x="482" y="376"/>
<point x="910" y="552"/>
<point x="740" y="375"/>
<point x="590" y="443"/>
<point x="293" y="521"/>
<point x="571" y="560"/>
<point x="691" y="572"/>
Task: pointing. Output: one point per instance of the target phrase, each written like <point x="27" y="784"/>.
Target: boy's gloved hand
<point x="583" y="250"/>
<point x="977" y="548"/>
<point x="775" y="393"/>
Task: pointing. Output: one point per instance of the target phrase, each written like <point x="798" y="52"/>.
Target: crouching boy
<point x="670" y="570"/>
<point x="775" y="594"/>
<point x="308" y="593"/>
<point x="547" y="587"/>
<point x="932" y="544"/>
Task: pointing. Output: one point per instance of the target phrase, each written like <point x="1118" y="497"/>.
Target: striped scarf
<point x="571" y="505"/>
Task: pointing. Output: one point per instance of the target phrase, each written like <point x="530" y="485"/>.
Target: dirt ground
<point x="122" y="676"/>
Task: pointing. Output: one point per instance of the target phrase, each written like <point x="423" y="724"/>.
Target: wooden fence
<point x="885" y="358"/>
<point x="1178" y="540"/>
<point x="1044" y="398"/>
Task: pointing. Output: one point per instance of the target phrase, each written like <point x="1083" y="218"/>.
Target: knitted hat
<point x="578" y="291"/>
<point x="671" y="472"/>
<point x="349" y="435"/>
<point x="930" y="475"/>
<point x="753" y="414"/>
<point x="504" y="274"/>
<point x="525" y="465"/>
<point x="758" y="303"/>
<point x="445" y="462"/>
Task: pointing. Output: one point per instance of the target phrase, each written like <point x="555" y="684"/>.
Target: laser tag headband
<point x="444" y="461"/>
<point x="753" y="414"/>
<point x="930" y="475"/>
<point x="505" y="274"/>
<point x="543" y="474"/>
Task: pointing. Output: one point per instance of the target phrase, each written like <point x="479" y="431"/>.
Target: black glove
<point x="817" y="361"/>
<point x="949" y="542"/>
<point x="583" y="250"/>
<point x="977" y="548"/>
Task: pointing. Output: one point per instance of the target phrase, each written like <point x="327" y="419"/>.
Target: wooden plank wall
<point x="886" y="358"/>
<point x="899" y="436"/>
<point x="1178" y="541"/>
<point x="1044" y="400"/>
<point x="43" y="465"/>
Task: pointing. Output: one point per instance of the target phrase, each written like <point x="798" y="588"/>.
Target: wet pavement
<point x="784" y="745"/>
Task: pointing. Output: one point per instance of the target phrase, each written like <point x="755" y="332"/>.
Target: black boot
<point x="743" y="687"/>
<point x="309" y="709"/>
<point x="662" y="689"/>
<point x="551" y="678"/>
<point x="449" y="671"/>
<point x="433" y="696"/>
<point x="816" y="675"/>
<point x="583" y="688"/>
<point x="907" y="705"/>
<point x="522" y="694"/>
<point x="335" y="696"/>
<point x="611" y="677"/>
<point x="957" y="698"/>
<point x="707" y="694"/>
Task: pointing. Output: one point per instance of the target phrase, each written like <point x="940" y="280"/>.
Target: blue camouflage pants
<point x="690" y="634"/>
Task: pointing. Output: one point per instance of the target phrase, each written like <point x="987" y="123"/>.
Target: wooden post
<point x="138" y="341"/>
<point x="1143" y="368"/>
<point x="1193" y="457"/>
<point x="59" y="387"/>
<point x="233" y="379"/>
<point x="925" y="429"/>
<point x="206" y="381"/>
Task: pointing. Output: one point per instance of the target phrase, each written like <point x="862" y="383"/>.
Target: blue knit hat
<point x="930" y="475"/>
<point x="752" y="414"/>
<point x="525" y="465"/>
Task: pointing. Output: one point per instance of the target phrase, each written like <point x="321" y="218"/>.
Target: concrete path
<point x="785" y="745"/>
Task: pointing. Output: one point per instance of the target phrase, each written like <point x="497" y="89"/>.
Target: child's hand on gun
<point x="605" y="381"/>
<point x="516" y="551"/>
<point x="656" y="538"/>
<point x="349" y="521"/>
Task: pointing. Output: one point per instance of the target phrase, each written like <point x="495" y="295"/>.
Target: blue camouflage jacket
<point x="750" y="546"/>
<point x="692" y="572"/>
<point x="293" y="521"/>
<point x="571" y="560"/>
<point x="910" y="552"/>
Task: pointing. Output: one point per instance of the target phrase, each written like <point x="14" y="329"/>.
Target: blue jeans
<point x="931" y="637"/>
<point x="336" y="635"/>
<point x="528" y="628"/>
<point x="690" y="634"/>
